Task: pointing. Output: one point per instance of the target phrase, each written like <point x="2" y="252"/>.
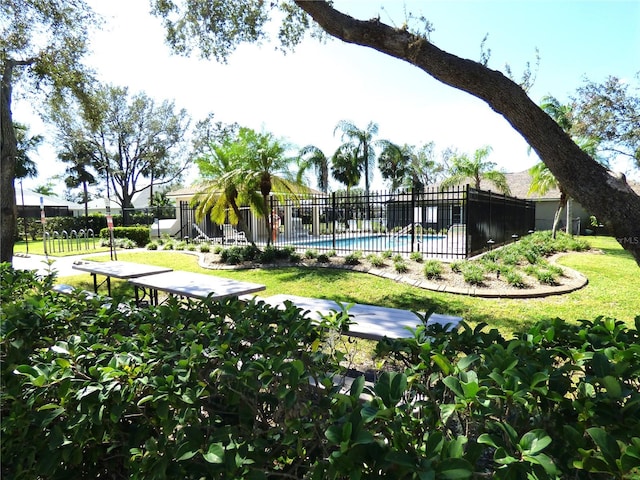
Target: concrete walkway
<point x="63" y="266"/>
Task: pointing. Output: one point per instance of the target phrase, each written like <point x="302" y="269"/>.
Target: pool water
<point x="375" y="243"/>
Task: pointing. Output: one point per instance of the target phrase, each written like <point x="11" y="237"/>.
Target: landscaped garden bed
<point x="522" y="269"/>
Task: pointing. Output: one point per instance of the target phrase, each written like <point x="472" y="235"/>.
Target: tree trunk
<point x="8" y="152"/>
<point x="600" y="192"/>
<point x="556" y="217"/>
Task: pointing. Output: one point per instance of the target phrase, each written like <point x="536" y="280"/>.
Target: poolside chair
<point x="203" y="236"/>
<point x="231" y="235"/>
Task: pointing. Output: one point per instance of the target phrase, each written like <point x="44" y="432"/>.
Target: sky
<point x="301" y="96"/>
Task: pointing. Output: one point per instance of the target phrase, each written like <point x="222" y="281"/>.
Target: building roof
<point x="520" y="183"/>
<point x="32" y="199"/>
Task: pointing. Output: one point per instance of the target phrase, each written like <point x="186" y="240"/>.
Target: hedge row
<point x="97" y="389"/>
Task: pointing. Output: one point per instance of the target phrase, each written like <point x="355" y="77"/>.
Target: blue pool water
<point x="374" y="243"/>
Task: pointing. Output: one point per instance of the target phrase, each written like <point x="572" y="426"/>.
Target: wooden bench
<point x="369" y="321"/>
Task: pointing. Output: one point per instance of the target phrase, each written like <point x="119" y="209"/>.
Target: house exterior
<point x="576" y="216"/>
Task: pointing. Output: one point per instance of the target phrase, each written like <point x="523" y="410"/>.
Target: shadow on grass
<point x="618" y="253"/>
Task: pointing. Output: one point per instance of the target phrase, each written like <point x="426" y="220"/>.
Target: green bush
<point x="323" y="258"/>
<point x="416" y="257"/>
<point x="139" y="235"/>
<point x="401" y="266"/>
<point x="204" y="247"/>
<point x="352" y="258"/>
<point x="433" y="269"/>
<point x="232" y="255"/>
<point x="514" y="279"/>
<point x="311" y="254"/>
<point x="152" y="246"/>
<point x="204" y="389"/>
<point x="295" y="257"/>
<point x="375" y="260"/>
<point x="456" y="267"/>
<point x="269" y="254"/>
<point x="473" y="274"/>
<point x="387" y="254"/>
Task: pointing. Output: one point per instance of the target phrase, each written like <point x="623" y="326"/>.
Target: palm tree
<point x="266" y="169"/>
<point x="361" y="142"/>
<point x="394" y="162"/>
<point x="220" y="192"/>
<point x="80" y="156"/>
<point x="463" y="168"/>
<point x="542" y="180"/>
<point x="25" y="166"/>
<point x="345" y="168"/>
<point x="312" y="157"/>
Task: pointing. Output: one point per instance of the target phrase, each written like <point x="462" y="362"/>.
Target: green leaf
<point x="369" y="412"/>
<point x="357" y="387"/>
<point x="363" y="438"/>
<point x="543" y="460"/>
<point x="144" y="400"/>
<point x="185" y="452"/>
<point x="215" y="454"/>
<point x="446" y="411"/>
<point x="534" y="441"/>
<point x="466" y="362"/>
<point x="487" y="439"/>
<point x="442" y="362"/>
<point x="88" y="390"/>
<point x="612" y="385"/>
<point x="454" y="385"/>
<point x="334" y="434"/>
<point x="607" y="445"/>
<point x="454" y="469"/>
<point x="601" y="365"/>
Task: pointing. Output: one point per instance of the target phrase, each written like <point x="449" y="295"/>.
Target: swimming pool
<point x="375" y="243"/>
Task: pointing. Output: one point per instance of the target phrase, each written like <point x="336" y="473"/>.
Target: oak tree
<point x="42" y="44"/>
<point x="606" y="195"/>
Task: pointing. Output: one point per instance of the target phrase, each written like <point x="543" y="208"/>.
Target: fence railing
<point x="453" y="223"/>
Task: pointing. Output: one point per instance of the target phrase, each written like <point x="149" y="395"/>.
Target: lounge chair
<point x="231" y="235"/>
<point x="203" y="236"/>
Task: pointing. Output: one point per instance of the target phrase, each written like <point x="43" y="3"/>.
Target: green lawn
<point x="36" y="247"/>
<point x="612" y="290"/>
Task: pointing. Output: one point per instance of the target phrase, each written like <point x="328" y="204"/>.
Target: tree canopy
<point x="607" y="195"/>
<point x="133" y="138"/>
<point x="41" y="47"/>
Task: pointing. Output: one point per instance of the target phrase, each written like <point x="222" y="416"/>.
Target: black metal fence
<point x="453" y="223"/>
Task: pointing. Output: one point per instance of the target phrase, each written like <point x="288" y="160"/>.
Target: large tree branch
<point x="607" y="196"/>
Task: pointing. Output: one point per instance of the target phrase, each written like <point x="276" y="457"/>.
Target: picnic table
<point x="193" y="285"/>
<point x="117" y="269"/>
<point x="369" y="321"/>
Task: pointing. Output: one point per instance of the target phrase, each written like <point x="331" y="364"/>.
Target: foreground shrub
<point x="176" y="391"/>
<point x="228" y="389"/>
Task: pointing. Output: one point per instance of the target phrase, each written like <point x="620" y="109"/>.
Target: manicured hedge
<point x="97" y="388"/>
<point x="140" y="235"/>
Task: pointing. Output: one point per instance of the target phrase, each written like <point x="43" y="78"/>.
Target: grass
<point x="612" y="289"/>
<point x="36" y="247"/>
